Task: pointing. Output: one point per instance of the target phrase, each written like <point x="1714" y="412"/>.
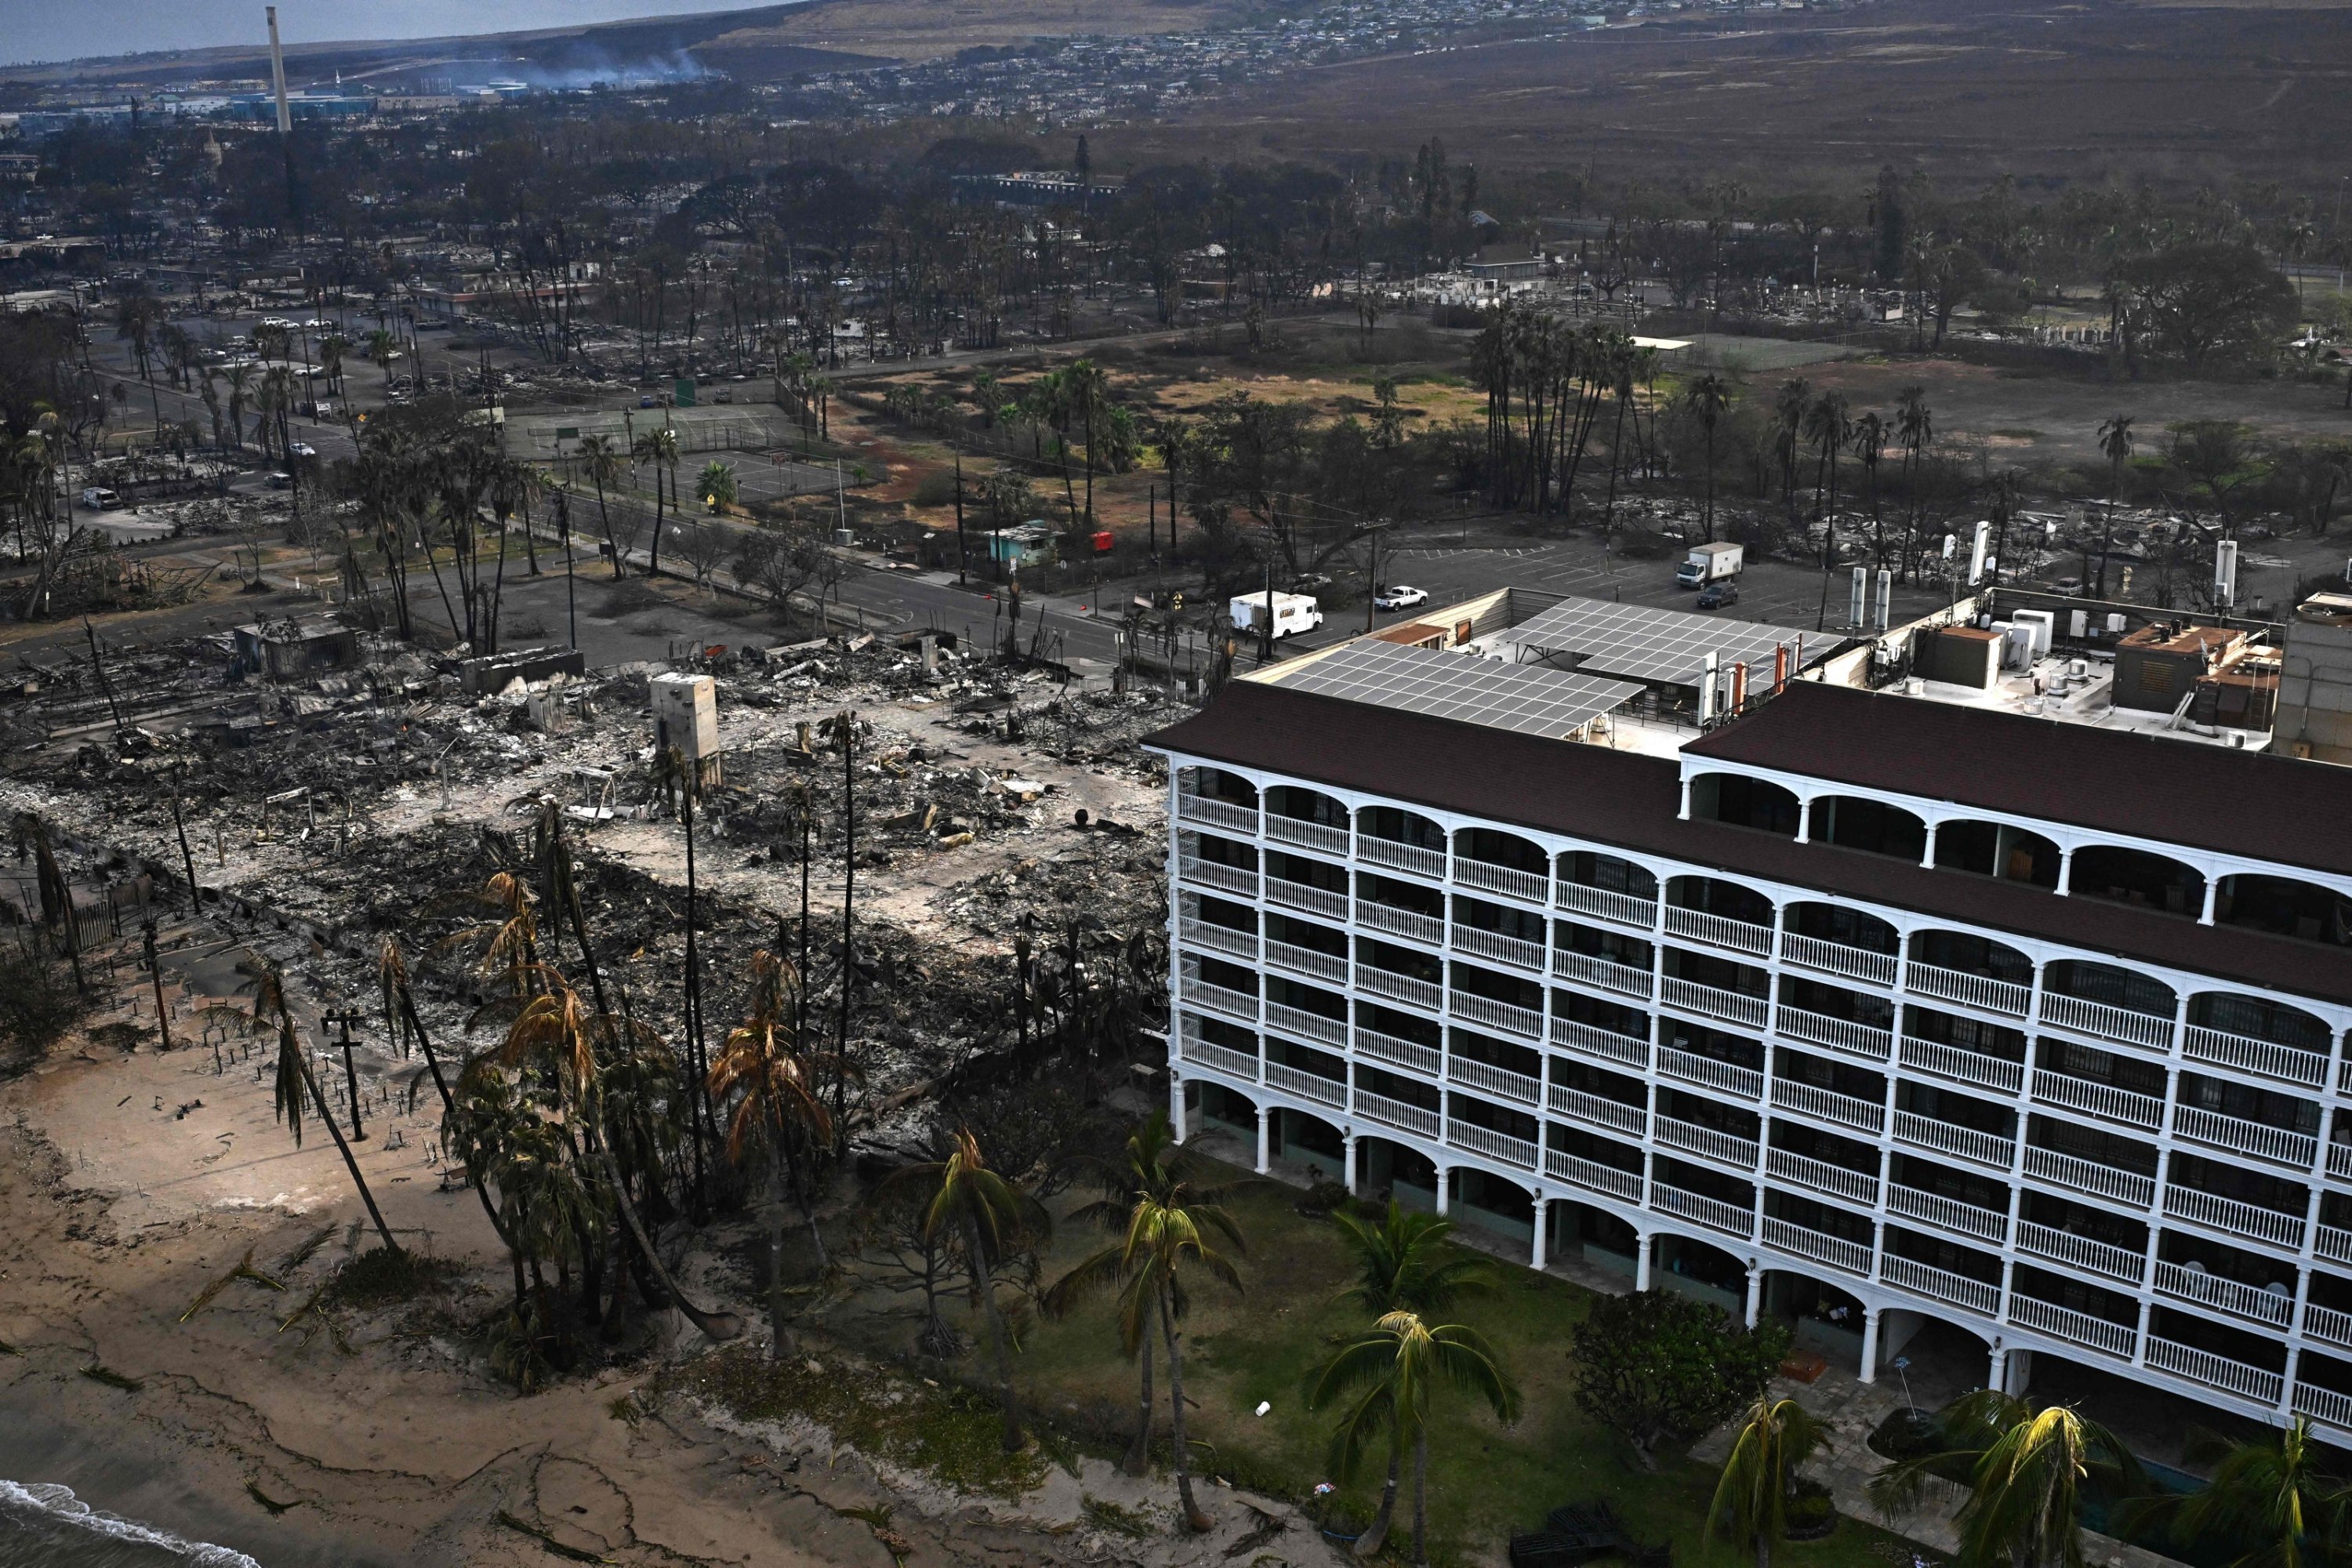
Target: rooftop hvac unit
<point x="2115" y="626"/>
<point x="2078" y="624"/>
<point x="2041" y="623"/>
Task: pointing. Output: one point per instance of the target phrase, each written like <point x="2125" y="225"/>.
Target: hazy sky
<point x="45" y="30"/>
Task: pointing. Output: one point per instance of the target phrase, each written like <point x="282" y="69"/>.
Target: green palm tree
<point x="1751" y="1501"/>
<point x="1400" y="1268"/>
<point x="777" y="1111"/>
<point x="2028" y="1469"/>
<point x="601" y="460"/>
<point x="717" y="486"/>
<point x="2115" y="446"/>
<point x="1153" y="1179"/>
<point x="2269" y="1495"/>
<point x="1706" y="399"/>
<point x="991" y="1215"/>
<point x="1389" y="1378"/>
<point x="659" y="447"/>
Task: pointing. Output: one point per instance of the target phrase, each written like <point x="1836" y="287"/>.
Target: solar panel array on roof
<point x="1639" y="642"/>
<point x="1461" y="686"/>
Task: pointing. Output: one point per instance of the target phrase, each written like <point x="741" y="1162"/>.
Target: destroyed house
<point x="294" y="650"/>
<point x="1883" y="1012"/>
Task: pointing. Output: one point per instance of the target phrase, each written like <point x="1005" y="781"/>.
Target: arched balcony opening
<point x="2137" y="877"/>
<point x="1502" y="863"/>
<point x="1998" y="849"/>
<point x="1217" y="784"/>
<point x="1873" y="826"/>
<point x="2285" y="907"/>
<point x="1404" y="840"/>
<point x="1745" y="802"/>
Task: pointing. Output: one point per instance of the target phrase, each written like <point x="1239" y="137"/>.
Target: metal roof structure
<point x="1473" y="691"/>
<point x="1640" y="642"/>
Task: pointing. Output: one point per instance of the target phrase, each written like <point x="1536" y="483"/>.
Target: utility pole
<point x="155" y="972"/>
<point x="343" y="1019"/>
<point x="98" y="663"/>
<point x="962" y="555"/>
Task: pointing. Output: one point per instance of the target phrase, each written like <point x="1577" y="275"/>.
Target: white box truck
<point x="1293" y="613"/>
<point x="1708" y="564"/>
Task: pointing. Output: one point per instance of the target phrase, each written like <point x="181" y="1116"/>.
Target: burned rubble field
<point x="373" y="801"/>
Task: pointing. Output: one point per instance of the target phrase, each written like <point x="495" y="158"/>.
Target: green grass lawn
<point x="1485" y="1481"/>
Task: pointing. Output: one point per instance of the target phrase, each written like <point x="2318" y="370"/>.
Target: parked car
<point x="98" y="498"/>
<point x="302" y="449"/>
<point x="281" y="480"/>
<point x="1397" y="596"/>
<point x="645" y="400"/>
<point x="1718" y="595"/>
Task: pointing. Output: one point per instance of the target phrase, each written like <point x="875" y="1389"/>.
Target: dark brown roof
<point x="1630" y="800"/>
<point x="2254" y="804"/>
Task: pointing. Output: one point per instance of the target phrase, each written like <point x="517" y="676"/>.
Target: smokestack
<point x="277" y="77"/>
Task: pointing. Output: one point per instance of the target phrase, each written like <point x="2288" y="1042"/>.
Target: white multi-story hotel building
<point x="1871" y="1008"/>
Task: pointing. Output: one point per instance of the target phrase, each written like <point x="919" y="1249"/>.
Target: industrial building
<point x="1992" y="1015"/>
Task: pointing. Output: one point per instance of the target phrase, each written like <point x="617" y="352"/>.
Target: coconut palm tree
<point x="1400" y="1268"/>
<point x="1156" y="1176"/>
<point x="2115" y="445"/>
<point x="1775" y="1439"/>
<point x="994" y="1217"/>
<point x="2028" y="1471"/>
<point x="295" y="1077"/>
<point x="238" y="378"/>
<point x="659" y="447"/>
<point x="602" y="459"/>
<point x="2268" y="1495"/>
<point x="1389" y="1378"/>
<point x="717" y="486"/>
<point x="1707" y="398"/>
<point x="1869" y="449"/>
<point x="777" y="1111"/>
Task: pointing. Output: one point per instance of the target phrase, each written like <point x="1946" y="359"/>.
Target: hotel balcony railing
<point x="1707" y="1143"/>
<point x="1976" y="1296"/>
<point x="1713" y="1213"/>
<point x="2247" y="1221"/>
<point x="1622" y="908"/>
<point x="1305" y="1084"/>
<point x="2339" y="1161"/>
<point x="2327" y="1325"/>
<point x="1322" y="965"/>
<point x="1828" y="1104"/>
<point x="1510" y="1085"/>
<point x="1950" y="1213"/>
<point x="1423" y="993"/>
<point x="2104" y="1100"/>
<point x="1852" y="1256"/>
<point x="1424" y="929"/>
<point x="1224" y="1058"/>
<point x="1221" y="813"/>
<point x="2075" y="1328"/>
<point x="2276" y="1144"/>
<point x="1401" y="856"/>
<point x="1306" y="1025"/>
<point x="1598" y="1109"/>
<point x="1306" y="896"/>
<point x="1222" y="998"/>
<point x="2081" y="1252"/>
<point x="1502" y="1146"/>
<point x="1714" y="1002"/>
<point x="2267" y="1058"/>
<point x="1486" y="1010"/>
<point x="1532" y="886"/>
<point x="1962" y="1065"/>
<point x="1865" y="1040"/>
<point x="1594" y="1041"/>
<point x="2147" y="1030"/>
<point x="1978" y="991"/>
<point x="1492" y="945"/>
<point x="1321" y="837"/>
<point x="2090" y="1176"/>
<point x="1396" y="1114"/>
<point x="1216" y="874"/>
<point x="1837" y="958"/>
<point x="2334" y="1244"/>
<point x="1855" y="1186"/>
<point x="2324" y="1405"/>
<point x="2239" y="1300"/>
<point x="1592" y="1175"/>
<point x="1691" y="1067"/>
<point x="1218" y="939"/>
<point x="1403" y="1053"/>
<point x="2219" y="1372"/>
<point x="1719" y="930"/>
<point x="1622" y="978"/>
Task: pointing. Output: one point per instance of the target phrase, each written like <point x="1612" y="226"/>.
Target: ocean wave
<point x="46" y="1526"/>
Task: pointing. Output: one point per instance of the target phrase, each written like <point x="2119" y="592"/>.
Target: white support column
<point x="1927" y="855"/>
<point x="1642" y="1261"/>
<point x="1264" y="1132"/>
<point x="1870" y="1344"/>
<point x="1685" y="812"/>
<point x="2065" y="870"/>
<point x="1444" y="1188"/>
<point x="1543" y="1212"/>
<point x="1755" y="1291"/>
<point x="1805" y="820"/>
<point x="2212" y="899"/>
<point x="1176" y="1106"/>
<point x="1997" y="1370"/>
<point x="1351" y="1140"/>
